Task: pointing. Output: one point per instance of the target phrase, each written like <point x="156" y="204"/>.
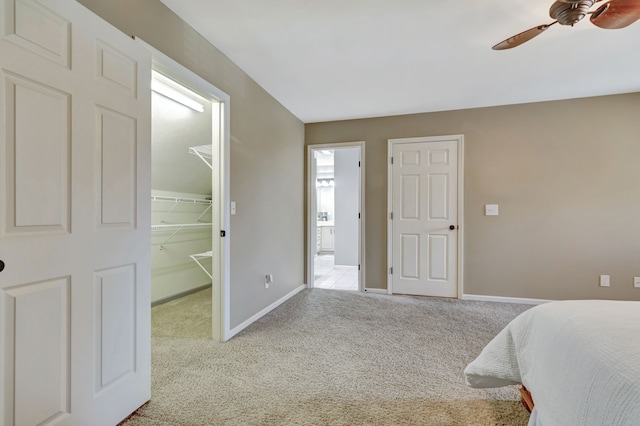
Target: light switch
<point x="491" y="210"/>
<point x="233" y="208"/>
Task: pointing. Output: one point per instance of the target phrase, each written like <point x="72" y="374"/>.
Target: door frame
<point x="312" y="217"/>
<point x="460" y="234"/>
<point x="220" y="281"/>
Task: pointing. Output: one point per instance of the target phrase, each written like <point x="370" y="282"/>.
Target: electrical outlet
<point x="636" y="282"/>
<point x="605" y="280"/>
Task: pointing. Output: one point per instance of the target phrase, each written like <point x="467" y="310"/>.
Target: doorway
<point x="181" y="211"/>
<point x="425" y="212"/>
<point x="190" y="197"/>
<point x="335" y="216"/>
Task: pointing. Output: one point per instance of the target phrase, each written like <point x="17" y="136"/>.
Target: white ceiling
<point x="342" y="59"/>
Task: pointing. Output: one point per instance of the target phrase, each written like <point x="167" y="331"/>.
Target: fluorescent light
<point x="325" y="182"/>
<point x="174" y="95"/>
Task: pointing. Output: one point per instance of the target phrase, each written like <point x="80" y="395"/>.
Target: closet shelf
<point x="180" y="199"/>
<point x="177" y="227"/>
<point x="204" y="152"/>
<point x="201" y="256"/>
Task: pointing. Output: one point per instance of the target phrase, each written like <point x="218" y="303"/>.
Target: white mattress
<point x="579" y="359"/>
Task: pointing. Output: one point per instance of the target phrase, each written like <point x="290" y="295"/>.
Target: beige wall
<point x="566" y="175"/>
<point x="266" y="157"/>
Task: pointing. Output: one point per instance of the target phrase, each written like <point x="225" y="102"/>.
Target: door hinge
<point x="358" y="267"/>
<point x="391" y="215"/>
<point x="358" y="164"/>
<point x="391" y="160"/>
<point x="391" y="271"/>
<point x="358" y="215"/>
<point x="223" y="233"/>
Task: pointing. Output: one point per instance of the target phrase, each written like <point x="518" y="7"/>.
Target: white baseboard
<point x="263" y="312"/>
<point x="500" y="299"/>
<point x="376" y="290"/>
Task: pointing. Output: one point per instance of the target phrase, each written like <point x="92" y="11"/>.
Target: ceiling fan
<point x="614" y="14"/>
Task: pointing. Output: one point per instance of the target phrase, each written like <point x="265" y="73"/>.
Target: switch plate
<point x="268" y="279"/>
<point x="605" y="280"/>
<point x="491" y="210"/>
<point x="636" y="282"/>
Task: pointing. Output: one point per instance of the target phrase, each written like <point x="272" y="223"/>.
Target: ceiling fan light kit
<point x="570" y="13"/>
<point x="614" y="14"/>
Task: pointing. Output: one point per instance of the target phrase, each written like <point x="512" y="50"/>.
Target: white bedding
<point x="579" y="359"/>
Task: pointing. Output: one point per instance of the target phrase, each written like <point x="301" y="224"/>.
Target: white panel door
<point x="424" y="206"/>
<point x="74" y="217"/>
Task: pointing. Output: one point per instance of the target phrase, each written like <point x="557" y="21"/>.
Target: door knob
<point x="452" y="227"/>
<point x="1" y="265"/>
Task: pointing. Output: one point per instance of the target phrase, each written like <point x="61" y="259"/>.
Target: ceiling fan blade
<point x="524" y="36"/>
<point x="616" y="14"/>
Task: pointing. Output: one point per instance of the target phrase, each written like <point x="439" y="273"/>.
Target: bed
<point x="579" y="362"/>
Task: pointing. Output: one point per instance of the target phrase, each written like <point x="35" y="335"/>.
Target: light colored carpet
<point x="329" y="357"/>
<point x="188" y="317"/>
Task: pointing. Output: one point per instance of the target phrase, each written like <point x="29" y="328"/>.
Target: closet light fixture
<point x="173" y="94"/>
<point x="325" y="182"/>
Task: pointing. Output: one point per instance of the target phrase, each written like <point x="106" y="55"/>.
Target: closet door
<point x="74" y="217"/>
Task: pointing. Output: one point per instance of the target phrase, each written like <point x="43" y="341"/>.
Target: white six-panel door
<point x="424" y="211"/>
<point x="74" y="217"/>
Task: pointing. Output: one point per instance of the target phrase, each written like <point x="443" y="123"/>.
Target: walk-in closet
<point x="181" y="211"/>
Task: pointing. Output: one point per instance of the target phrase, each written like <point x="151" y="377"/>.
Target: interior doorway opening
<point x="181" y="210"/>
<point x="190" y="203"/>
<point x="335" y="216"/>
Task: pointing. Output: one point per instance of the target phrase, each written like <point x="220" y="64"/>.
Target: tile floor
<point x="328" y="275"/>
